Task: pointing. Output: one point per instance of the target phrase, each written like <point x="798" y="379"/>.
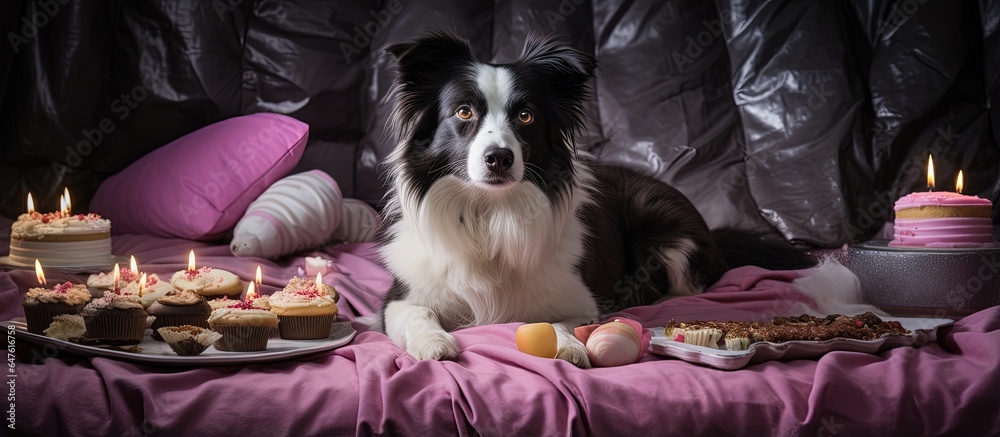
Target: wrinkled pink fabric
<point x="199" y="185"/>
<point x="371" y="386"/>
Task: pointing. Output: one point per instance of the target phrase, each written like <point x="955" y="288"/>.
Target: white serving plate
<point x="923" y="332"/>
<point x="157" y="352"/>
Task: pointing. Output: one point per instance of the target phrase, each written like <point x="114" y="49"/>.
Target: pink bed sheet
<point x="372" y="387"/>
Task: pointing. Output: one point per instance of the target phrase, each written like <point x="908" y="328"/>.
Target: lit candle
<point x="39" y="273"/>
<point x="258" y="277"/>
<point x="191" y="264"/>
<point x="117" y="276"/>
<point x="319" y="283"/>
<point x="132" y="266"/>
<point x="251" y="294"/>
<point x="31" y="204"/>
<point x="62" y="204"/>
<point x="930" y="172"/>
<point x="69" y="204"/>
<point x="923" y="218"/>
<point x="142" y="284"/>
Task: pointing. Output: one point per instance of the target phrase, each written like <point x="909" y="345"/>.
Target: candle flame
<point x="142" y="284"/>
<point x="31" y="204"/>
<point x="251" y="295"/>
<point x="117" y="275"/>
<point x="961" y="182"/>
<point x="191" y="261"/>
<point x="69" y="204"/>
<point x="39" y="273"/>
<point x="319" y="282"/>
<point x="258" y="277"/>
<point x="930" y="172"/>
<point x="132" y="267"/>
<point x="62" y="204"/>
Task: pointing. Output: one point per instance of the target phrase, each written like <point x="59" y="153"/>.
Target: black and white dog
<point x="493" y="216"/>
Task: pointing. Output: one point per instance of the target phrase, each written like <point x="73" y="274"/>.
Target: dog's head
<point x="488" y="125"/>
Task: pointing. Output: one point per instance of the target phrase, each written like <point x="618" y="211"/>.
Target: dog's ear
<point x="429" y="58"/>
<point x="424" y="66"/>
<point x="564" y="74"/>
<point x="551" y="55"/>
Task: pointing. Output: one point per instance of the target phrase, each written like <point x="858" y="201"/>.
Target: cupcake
<point x="187" y="340"/>
<point x="154" y="289"/>
<point x="263" y="301"/>
<point x="98" y="283"/>
<point x="128" y="283"/>
<point x="43" y="304"/>
<point x="305" y="311"/>
<point x="208" y="282"/>
<point x="179" y="308"/>
<point x="224" y="302"/>
<point x="298" y="283"/>
<point x="244" y="327"/>
<point x="115" y="318"/>
<point x="66" y="327"/>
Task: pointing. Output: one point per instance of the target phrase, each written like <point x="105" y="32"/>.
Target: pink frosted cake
<point x="59" y="239"/>
<point x="943" y="219"/>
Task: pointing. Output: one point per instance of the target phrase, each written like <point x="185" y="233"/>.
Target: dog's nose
<point x="498" y="159"/>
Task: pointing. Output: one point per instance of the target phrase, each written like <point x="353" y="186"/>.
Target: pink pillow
<point x="198" y="186"/>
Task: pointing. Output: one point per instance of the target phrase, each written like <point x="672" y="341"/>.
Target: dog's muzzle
<point x="498" y="162"/>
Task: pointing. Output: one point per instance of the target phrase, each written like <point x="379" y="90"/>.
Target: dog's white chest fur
<point x="478" y="256"/>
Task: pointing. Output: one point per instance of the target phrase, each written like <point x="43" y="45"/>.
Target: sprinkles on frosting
<point x="192" y="274"/>
<point x="242" y="305"/>
<point x="49" y="216"/>
<point x="62" y="288"/>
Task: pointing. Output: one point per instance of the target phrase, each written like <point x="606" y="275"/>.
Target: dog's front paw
<point x="574" y="352"/>
<point x="433" y="345"/>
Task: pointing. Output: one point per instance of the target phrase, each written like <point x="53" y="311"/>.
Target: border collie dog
<point x="493" y="216"/>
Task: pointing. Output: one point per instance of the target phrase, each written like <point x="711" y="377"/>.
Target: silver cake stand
<point x="927" y="282"/>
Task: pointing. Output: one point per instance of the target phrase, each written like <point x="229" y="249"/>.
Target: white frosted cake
<point x="60" y="240"/>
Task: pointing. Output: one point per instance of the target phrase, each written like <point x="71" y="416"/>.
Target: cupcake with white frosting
<point x="209" y="282"/>
<point x="41" y="305"/>
<point x="305" y="311"/>
<point x="244" y="327"/>
<point x="128" y="283"/>
<point x="115" y="318"/>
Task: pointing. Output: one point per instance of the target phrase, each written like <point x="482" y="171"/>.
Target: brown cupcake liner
<point x="242" y="338"/>
<point x="305" y="327"/>
<point x="38" y="320"/>
<point x="200" y="321"/>
<point x="127" y="329"/>
<point x="187" y="347"/>
<point x="188" y="340"/>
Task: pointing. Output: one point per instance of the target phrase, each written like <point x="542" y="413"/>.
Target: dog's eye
<point x="525" y="116"/>
<point x="464" y="112"/>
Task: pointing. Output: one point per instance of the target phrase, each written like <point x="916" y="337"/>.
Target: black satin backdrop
<point x="804" y="118"/>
